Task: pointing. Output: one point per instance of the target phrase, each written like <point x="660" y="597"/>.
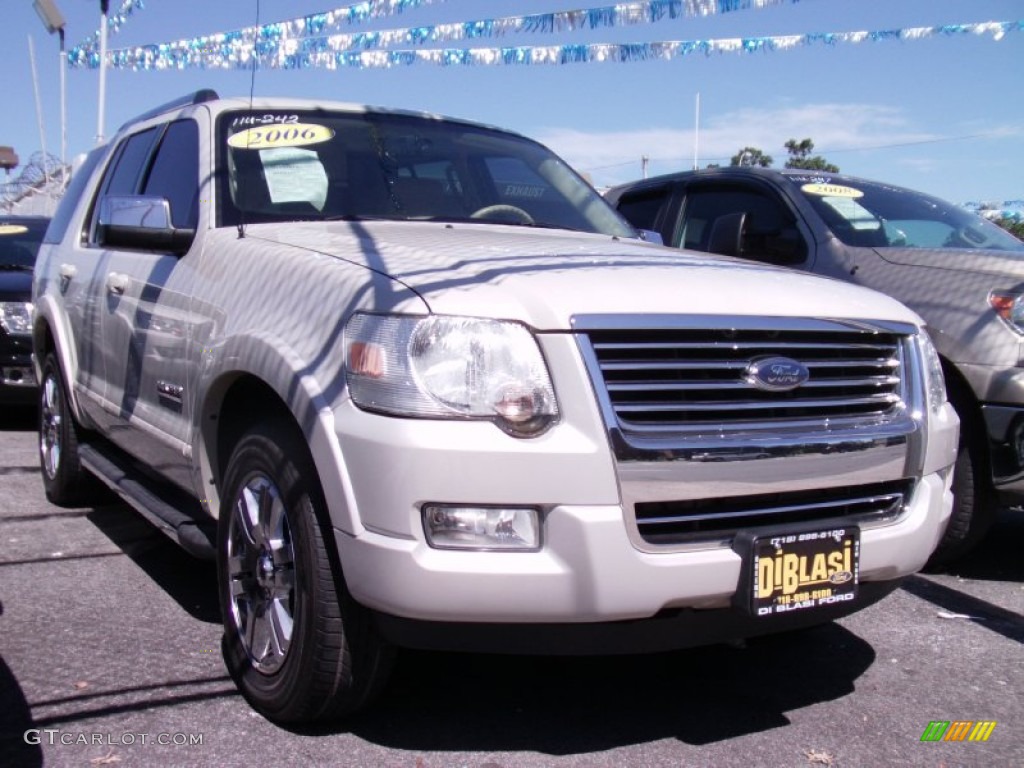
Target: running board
<point x="172" y="511"/>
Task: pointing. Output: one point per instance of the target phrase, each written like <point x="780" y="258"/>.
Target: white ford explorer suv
<point x="412" y="382"/>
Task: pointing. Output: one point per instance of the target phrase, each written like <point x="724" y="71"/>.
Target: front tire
<point x="296" y="643"/>
<point x="974" y="502"/>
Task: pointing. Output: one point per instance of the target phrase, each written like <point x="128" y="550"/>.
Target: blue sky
<point x="942" y="115"/>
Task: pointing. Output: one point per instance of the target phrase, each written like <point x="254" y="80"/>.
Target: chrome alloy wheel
<point x="261" y="573"/>
<point x="50" y="423"/>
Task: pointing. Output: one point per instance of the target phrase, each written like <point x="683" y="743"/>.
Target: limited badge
<point x="271" y="137"/>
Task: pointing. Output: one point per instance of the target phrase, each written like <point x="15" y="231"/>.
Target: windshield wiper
<point x="16" y="267"/>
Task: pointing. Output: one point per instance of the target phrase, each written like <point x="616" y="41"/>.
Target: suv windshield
<point x="293" y="165"/>
<point x="19" y="242"/>
<point x="864" y="213"/>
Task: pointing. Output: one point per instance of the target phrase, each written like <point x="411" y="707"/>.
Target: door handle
<point x="68" y="271"/>
<point x="117" y="283"/>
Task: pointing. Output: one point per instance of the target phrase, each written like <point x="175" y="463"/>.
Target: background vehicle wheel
<point x="66" y="483"/>
<point x="296" y="643"/>
<point x="974" y="502"/>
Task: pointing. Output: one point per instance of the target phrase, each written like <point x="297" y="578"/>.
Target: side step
<point x="171" y="510"/>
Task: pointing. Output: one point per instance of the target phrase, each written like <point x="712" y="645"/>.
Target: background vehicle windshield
<point x="313" y="165"/>
<point x="19" y="242"/>
<point x="876" y="215"/>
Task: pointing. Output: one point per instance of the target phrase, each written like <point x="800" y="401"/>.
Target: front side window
<point x="863" y="213"/>
<point x="769" y="231"/>
<point x="287" y="165"/>
<point x="174" y="174"/>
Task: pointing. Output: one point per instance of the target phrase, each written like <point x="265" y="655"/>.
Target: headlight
<point x="16" y="317"/>
<point x="449" y="367"/>
<point x="1010" y="307"/>
<point x="935" y="380"/>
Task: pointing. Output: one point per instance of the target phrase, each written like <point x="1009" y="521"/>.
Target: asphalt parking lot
<point x="109" y="655"/>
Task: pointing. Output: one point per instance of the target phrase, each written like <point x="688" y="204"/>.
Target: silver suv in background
<point x="964" y="275"/>
<point x="412" y="382"/>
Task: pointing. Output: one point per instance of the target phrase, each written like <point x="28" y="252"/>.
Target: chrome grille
<point x="702" y="520"/>
<point x="693" y="380"/>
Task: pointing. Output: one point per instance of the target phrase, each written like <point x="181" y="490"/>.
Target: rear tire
<point x="66" y="482"/>
<point x="296" y="643"/>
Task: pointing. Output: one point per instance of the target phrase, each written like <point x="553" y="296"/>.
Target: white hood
<point x="545" y="277"/>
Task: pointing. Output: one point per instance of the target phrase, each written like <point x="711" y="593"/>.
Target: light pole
<point x="53" y="20"/>
<point x="104" y="10"/>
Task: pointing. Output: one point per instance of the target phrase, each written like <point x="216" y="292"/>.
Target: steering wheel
<point x="503" y="212"/>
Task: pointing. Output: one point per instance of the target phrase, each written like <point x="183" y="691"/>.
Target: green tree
<point x="1014" y="226"/>
<point x="751" y="156"/>
<point x="800" y="157"/>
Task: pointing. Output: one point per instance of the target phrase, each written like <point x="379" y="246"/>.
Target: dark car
<point x="20" y="237"/>
<point x="962" y="274"/>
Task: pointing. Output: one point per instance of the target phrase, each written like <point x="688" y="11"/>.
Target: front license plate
<point x="804" y="571"/>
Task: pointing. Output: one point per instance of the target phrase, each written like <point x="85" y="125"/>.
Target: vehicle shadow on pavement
<point x="997" y="556"/>
<point x="23" y="419"/>
<point x="191" y="582"/>
<point x="565" y="706"/>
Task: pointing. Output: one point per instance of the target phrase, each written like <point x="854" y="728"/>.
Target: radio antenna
<point x="252" y="92"/>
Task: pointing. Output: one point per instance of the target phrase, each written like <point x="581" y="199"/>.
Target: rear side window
<point x="641" y="208"/>
<point x="72" y="195"/>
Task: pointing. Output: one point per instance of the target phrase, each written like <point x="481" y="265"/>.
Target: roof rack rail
<point x="205" y="94"/>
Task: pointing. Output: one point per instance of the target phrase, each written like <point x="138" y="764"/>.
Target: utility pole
<point x="696" y="133"/>
<point x="644" y="159"/>
<point x="39" y="106"/>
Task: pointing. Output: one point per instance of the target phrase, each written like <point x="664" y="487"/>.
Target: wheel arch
<point x="241" y="397"/>
<point x="52" y="333"/>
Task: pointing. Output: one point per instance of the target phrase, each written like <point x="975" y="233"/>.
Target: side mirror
<point x="141" y="222"/>
<point x="726" y="235"/>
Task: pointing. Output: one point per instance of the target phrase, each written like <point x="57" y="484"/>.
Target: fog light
<point x="482" y="528"/>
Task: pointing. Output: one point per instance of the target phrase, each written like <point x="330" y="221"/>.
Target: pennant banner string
<point x="308" y="31"/>
<point x="115" y="21"/>
<point x="86" y="54"/>
<point x="293" y="55"/>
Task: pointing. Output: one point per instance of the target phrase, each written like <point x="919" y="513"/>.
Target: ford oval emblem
<point x="776" y="374"/>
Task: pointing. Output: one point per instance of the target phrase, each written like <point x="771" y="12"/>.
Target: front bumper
<point x="1001" y="392"/>
<point x="592" y="571"/>
<point x="589" y="571"/>
<point x="17" y="376"/>
<point x="1004" y="426"/>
